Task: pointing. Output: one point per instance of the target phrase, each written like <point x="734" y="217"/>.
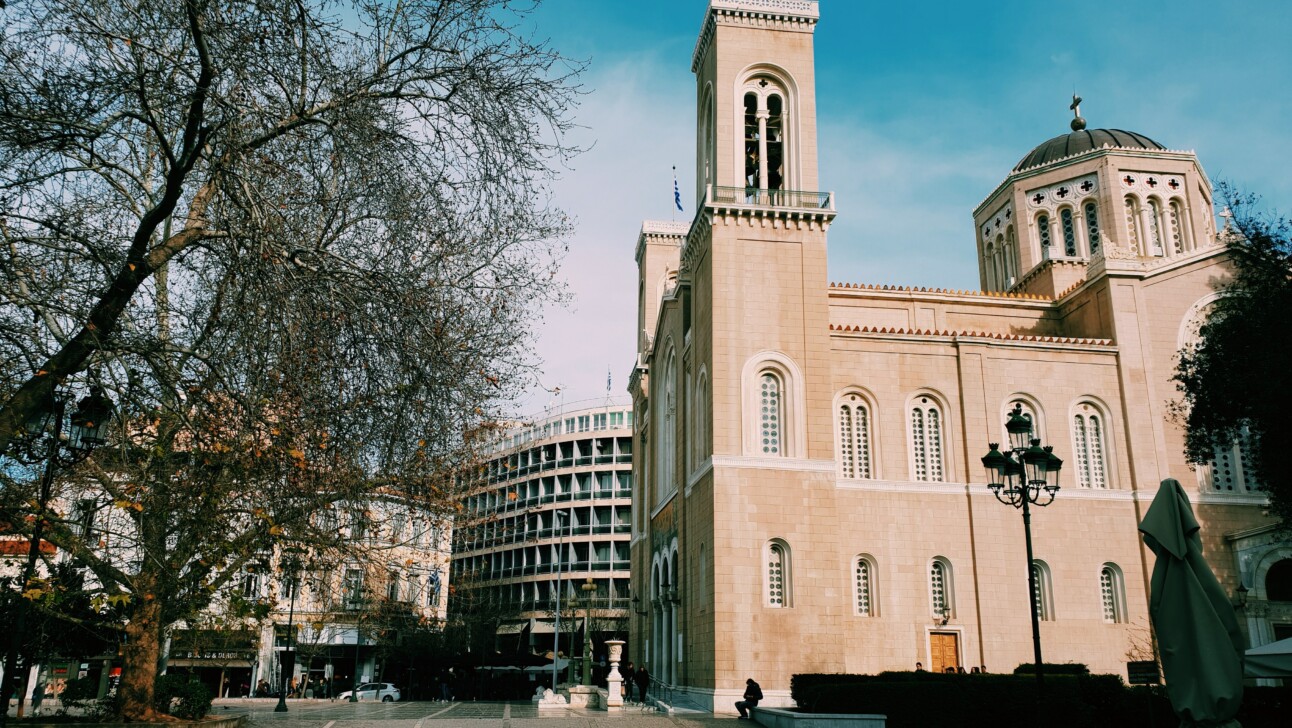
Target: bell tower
<point x="756" y="99"/>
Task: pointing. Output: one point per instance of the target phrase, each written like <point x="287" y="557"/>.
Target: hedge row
<point x="933" y="700"/>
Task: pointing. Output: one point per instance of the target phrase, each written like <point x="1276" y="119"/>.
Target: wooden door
<point x="944" y="651"/>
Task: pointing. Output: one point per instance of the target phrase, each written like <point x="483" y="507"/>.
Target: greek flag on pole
<point x="607" y="380"/>
<point x="677" y="194"/>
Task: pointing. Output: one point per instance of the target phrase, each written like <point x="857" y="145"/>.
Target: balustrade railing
<point x="798" y="199"/>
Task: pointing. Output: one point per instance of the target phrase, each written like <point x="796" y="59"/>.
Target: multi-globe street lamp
<point x="292" y="567"/>
<point x="1025" y="475"/>
<point x="45" y="439"/>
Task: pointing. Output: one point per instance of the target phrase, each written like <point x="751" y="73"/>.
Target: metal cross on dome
<point x="1076" y="106"/>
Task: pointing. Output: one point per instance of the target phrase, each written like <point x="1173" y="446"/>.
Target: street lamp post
<point x="560" y="552"/>
<point x="87" y="431"/>
<point x="1025" y="475"/>
<point x="589" y="589"/>
<point x="293" y="568"/>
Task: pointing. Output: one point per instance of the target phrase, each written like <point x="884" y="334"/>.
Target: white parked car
<point x="385" y="692"/>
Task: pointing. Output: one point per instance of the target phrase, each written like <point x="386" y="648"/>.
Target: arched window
<point x="1155" y="228"/>
<point x="1089" y="447"/>
<point x="1133" y="233"/>
<point x="770" y="412"/>
<point x="1230" y="469"/>
<point x="1181" y="241"/>
<point x="753" y="143"/>
<point x="775" y="142"/>
<point x="1278" y="581"/>
<point x="772" y="406"/>
<point x="1002" y="265"/>
<point x="863" y="583"/>
<point x="1069" y="233"/>
<point x="1092" y="227"/>
<point x="778" y="574"/>
<point x="854" y="438"/>
<point x="666" y="430"/>
<point x="1011" y="258"/>
<point x="700" y="412"/>
<point x="1042" y="591"/>
<point x="1112" y="594"/>
<point x="941" y="595"/>
<point x="926" y="440"/>
<point x="765" y="121"/>
<point x="989" y="265"/>
<point x="1043" y="234"/>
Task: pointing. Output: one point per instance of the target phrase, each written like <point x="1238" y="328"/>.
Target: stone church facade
<point x="809" y="496"/>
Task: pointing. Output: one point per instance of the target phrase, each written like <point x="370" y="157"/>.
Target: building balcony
<point x="781" y="199"/>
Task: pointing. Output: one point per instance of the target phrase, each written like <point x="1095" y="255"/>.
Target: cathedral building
<point x="809" y="494"/>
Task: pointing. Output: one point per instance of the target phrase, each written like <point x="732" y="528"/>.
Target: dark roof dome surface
<point x="1065" y="145"/>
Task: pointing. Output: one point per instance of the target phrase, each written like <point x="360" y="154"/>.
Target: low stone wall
<point x="782" y="718"/>
<point x="224" y="721"/>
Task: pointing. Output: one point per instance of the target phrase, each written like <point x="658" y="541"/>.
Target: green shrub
<point x="182" y="697"/>
<point x="79" y="693"/>
<point x="1053" y="668"/>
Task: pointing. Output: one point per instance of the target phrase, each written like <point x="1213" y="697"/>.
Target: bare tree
<point x="299" y="243"/>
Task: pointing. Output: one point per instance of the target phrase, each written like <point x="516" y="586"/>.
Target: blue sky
<point x="923" y="107"/>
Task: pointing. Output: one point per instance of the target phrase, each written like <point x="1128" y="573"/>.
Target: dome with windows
<point x="1083" y="140"/>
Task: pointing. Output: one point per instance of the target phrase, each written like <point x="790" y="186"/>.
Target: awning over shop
<point x="512" y="628"/>
<point x="230" y="664"/>
<point x="545" y="627"/>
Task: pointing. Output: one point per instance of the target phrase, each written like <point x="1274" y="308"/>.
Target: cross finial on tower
<point x="1078" y="123"/>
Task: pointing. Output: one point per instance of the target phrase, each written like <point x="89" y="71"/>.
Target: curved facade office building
<point x="548" y="512"/>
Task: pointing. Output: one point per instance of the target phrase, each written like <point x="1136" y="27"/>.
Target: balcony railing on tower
<point x="755" y="197"/>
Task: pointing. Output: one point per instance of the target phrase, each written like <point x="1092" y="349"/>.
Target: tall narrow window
<point x="1155" y="228"/>
<point x="989" y="264"/>
<point x="777" y="575"/>
<point x="1132" y="224"/>
<point x="1180" y="240"/>
<point x="770" y="413"/>
<point x="926" y="441"/>
<point x="1092" y="227"/>
<point x="1231" y="466"/>
<point x="1088" y="446"/>
<point x="1043" y="232"/>
<point x="753" y="143"/>
<point x="862" y="576"/>
<point x="775" y="142"/>
<point x="1069" y="234"/>
<point x="940" y="588"/>
<point x="1041" y="591"/>
<point x="854" y="439"/>
<point x="1011" y="259"/>
<point x="1111" y="594"/>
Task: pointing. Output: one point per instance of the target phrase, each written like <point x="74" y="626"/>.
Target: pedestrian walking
<point x="627" y="675"/>
<point x="753" y="694"/>
<point x="642" y="678"/>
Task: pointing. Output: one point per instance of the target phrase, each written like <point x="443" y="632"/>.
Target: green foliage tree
<point x="1236" y="381"/>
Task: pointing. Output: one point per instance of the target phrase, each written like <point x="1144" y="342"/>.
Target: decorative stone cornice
<point x="792" y="15"/>
<point x="959" y="335"/>
<point x="875" y="288"/>
<point x="659" y="232"/>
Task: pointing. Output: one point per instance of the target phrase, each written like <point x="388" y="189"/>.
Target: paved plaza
<point x="338" y="714"/>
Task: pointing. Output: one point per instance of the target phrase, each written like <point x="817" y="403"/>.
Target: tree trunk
<point x="139" y="661"/>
